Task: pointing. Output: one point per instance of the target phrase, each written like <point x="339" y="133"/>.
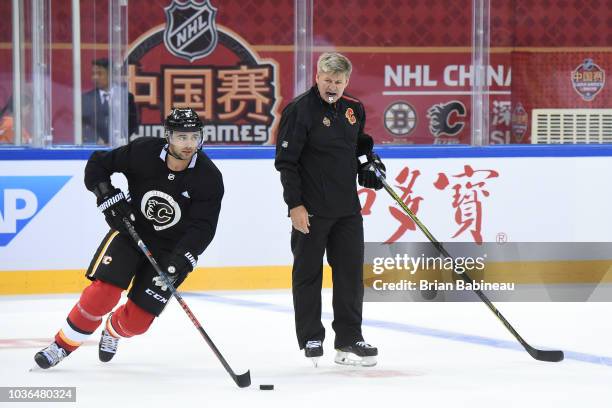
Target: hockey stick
<point x="542" y="355"/>
<point x="241" y="380"/>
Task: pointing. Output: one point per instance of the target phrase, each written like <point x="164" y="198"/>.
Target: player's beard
<point x="181" y="154"/>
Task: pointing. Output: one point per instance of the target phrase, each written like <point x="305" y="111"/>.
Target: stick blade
<point x="552" y="356"/>
<point x="243" y="380"/>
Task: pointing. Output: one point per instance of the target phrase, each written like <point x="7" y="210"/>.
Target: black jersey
<point x="174" y="210"/>
<point x="316" y="154"/>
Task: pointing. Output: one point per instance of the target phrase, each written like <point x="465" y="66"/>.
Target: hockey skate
<point x="314" y="351"/>
<point x="108" y="344"/>
<point x="358" y="354"/>
<point x="50" y="356"/>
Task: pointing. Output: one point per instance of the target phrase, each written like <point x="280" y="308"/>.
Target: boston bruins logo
<point x="161" y="209"/>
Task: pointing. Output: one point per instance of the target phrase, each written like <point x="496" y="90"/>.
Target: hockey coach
<point x="320" y="137"/>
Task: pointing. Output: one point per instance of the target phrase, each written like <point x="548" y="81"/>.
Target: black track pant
<point x="343" y="240"/>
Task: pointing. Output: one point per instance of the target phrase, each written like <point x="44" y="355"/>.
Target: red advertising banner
<point x="233" y="62"/>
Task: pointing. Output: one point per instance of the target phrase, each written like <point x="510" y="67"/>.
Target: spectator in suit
<point x="95" y="110"/>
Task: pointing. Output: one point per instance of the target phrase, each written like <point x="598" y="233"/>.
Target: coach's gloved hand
<point x="112" y="202"/>
<point x="367" y="176"/>
<point x="178" y="267"/>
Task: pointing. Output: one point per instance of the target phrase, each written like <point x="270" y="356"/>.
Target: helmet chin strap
<point x="172" y="154"/>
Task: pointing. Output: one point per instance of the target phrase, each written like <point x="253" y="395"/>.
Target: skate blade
<point x="35" y="368"/>
<point x="315" y="361"/>
<point x="351" y="359"/>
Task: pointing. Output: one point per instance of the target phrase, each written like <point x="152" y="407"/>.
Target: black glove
<point x="112" y="202"/>
<point x="367" y="176"/>
<point x="365" y="144"/>
<point x="179" y="264"/>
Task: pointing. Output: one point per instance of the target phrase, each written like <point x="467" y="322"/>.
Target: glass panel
<point x="412" y="69"/>
<point x="411" y="65"/>
<point x="97" y="96"/>
<point x="7" y="125"/>
<point x="231" y="61"/>
<point x="16" y="76"/>
<point x="47" y="49"/>
<point x="117" y="73"/>
<point x="480" y="68"/>
<point x="40" y="39"/>
<point x="303" y="45"/>
<point x="560" y="55"/>
<point x="62" y="72"/>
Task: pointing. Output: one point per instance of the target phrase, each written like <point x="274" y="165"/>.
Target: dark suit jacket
<point x="95" y="117"/>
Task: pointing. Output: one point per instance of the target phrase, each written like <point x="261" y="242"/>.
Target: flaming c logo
<point x="161" y="209"/>
<point x="350" y="115"/>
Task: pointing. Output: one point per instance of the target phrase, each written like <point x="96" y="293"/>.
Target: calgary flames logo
<point x="440" y="122"/>
<point x="161" y="209"/>
<point x="350" y="115"/>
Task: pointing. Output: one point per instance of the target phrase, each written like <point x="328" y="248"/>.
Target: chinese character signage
<point x="467" y="192"/>
<point x="190" y="61"/>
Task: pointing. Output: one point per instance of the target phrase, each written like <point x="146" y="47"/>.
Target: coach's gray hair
<point x="334" y="63"/>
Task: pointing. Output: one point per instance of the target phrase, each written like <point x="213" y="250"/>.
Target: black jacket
<point x="95" y="117"/>
<point x="316" y="154"/>
<point x="174" y="210"/>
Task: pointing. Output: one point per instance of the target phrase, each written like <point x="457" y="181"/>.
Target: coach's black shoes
<point x="358" y="354"/>
<point x="314" y="351"/>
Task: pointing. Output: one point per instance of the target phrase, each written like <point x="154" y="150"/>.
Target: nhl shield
<point x="190" y="29"/>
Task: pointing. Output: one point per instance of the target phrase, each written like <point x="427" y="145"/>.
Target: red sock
<point x="97" y="300"/>
<point x="129" y="320"/>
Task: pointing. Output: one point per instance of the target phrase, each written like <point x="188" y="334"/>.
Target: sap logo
<point x="21" y="198"/>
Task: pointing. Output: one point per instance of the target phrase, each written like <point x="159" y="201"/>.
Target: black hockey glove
<point x="367" y="176"/>
<point x="114" y="206"/>
<point x="179" y="264"/>
<point x="365" y="144"/>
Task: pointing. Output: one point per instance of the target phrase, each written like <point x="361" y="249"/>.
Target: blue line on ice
<point x="409" y="328"/>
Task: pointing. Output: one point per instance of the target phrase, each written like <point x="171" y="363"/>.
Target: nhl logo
<point x="190" y="29"/>
<point x="588" y="79"/>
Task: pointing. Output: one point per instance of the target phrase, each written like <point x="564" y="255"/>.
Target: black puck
<point x="266" y="387"/>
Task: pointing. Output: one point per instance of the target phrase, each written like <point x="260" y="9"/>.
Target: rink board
<point x="47" y="241"/>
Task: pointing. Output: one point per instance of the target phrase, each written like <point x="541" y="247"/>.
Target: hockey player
<point x="176" y="193"/>
<point x="321" y="133"/>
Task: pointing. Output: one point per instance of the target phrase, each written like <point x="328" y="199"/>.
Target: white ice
<point x="431" y="354"/>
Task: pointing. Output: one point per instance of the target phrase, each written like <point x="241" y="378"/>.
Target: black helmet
<point x="183" y="119"/>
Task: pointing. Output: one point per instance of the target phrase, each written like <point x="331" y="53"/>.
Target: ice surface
<point x="439" y="354"/>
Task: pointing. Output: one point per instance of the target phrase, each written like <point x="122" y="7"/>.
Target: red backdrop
<point x="432" y="36"/>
